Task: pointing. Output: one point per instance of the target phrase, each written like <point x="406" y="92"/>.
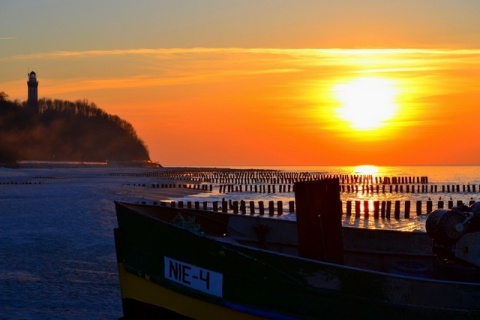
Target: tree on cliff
<point x="66" y="131"/>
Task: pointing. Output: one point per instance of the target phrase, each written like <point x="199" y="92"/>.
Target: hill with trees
<point x="65" y="131"/>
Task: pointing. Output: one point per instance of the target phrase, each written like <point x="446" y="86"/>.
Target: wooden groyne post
<point x="381" y="209"/>
<point x="319" y="220"/>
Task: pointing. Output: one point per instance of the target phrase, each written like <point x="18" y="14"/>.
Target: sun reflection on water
<point x="367" y="169"/>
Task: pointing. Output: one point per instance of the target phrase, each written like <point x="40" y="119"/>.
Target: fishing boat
<point x="191" y="264"/>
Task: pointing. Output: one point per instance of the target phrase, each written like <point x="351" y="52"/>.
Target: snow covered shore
<point x="57" y="253"/>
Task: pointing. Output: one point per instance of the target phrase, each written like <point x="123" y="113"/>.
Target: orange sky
<point x="255" y="105"/>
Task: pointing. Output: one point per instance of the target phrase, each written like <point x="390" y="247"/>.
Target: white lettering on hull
<point x="194" y="277"/>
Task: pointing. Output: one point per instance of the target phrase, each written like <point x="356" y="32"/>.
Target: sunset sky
<point x="257" y="83"/>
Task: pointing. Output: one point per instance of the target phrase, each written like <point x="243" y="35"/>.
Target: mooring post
<point x="291" y="206"/>
<point x="319" y="220"/>
<point x="407" y="209"/>
<point x="279" y="208"/>
<point x="429" y="206"/>
<point x="271" y="208"/>
<point x="261" y="208"/>
<point x="357" y="208"/>
<point x="389" y="208"/>
<point x="349" y="208"/>
<point x="252" y="207"/>
<point x="235" y="206"/>
<point x="397" y="209"/>
<point x="376" y="209"/>
<point x="243" y="208"/>
<point x="419" y="207"/>
<point x="366" y="210"/>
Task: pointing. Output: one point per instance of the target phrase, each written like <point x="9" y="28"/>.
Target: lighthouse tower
<point x="32" y="102"/>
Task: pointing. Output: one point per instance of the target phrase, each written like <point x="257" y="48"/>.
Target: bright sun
<point x="366" y="103"/>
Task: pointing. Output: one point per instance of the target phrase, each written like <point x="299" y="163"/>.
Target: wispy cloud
<point x="115" y="52"/>
<point x="8" y="38"/>
<point x="156" y="67"/>
<point x="271" y="51"/>
<point x="284" y="59"/>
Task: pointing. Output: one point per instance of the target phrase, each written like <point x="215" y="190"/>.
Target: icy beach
<point x="57" y="254"/>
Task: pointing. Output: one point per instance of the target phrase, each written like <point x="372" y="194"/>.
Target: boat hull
<point x="214" y="278"/>
<point x="144" y="299"/>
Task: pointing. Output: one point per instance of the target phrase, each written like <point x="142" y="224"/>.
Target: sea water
<point x="57" y="253"/>
<point x="437" y="175"/>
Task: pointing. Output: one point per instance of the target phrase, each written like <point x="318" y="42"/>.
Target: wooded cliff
<point x="65" y="131"/>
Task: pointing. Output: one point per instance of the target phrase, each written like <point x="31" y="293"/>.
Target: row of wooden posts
<point x="423" y="188"/>
<point x="287" y="178"/>
<point x="262" y="188"/>
<point x="242" y="176"/>
<point x="380" y="209"/>
<point x="277" y="176"/>
<point x="419" y="188"/>
<point x="15" y="182"/>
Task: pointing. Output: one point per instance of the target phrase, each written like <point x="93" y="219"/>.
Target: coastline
<point x="56" y="230"/>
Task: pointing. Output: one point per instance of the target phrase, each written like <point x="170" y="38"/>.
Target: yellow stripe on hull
<point x="140" y="289"/>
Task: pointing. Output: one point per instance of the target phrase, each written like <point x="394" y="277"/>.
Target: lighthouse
<point x="32" y="83"/>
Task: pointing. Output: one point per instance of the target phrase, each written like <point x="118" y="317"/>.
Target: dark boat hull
<point x="165" y="266"/>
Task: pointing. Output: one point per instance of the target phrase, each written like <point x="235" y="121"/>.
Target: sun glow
<point x="366" y="169"/>
<point x="366" y="103"/>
